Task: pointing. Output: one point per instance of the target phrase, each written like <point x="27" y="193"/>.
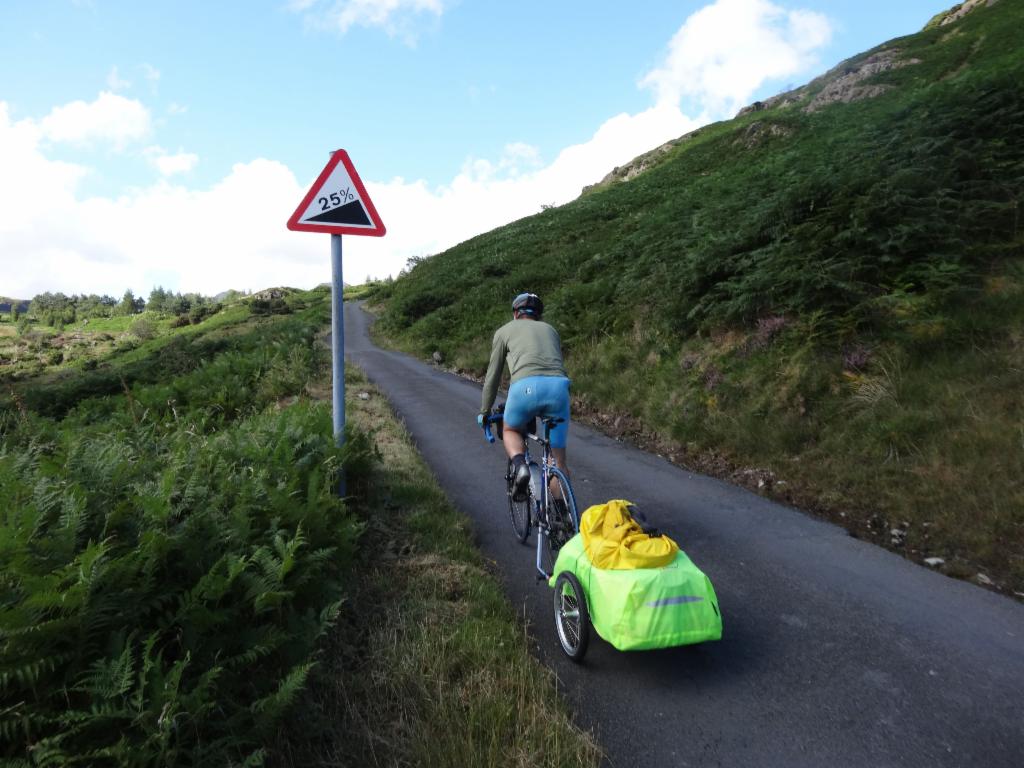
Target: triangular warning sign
<point x="337" y="203"/>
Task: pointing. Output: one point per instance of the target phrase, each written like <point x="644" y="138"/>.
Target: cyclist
<point x="539" y="385"/>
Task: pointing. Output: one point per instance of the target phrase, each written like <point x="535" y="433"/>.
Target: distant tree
<point x="130" y="305"/>
<point x="48" y="302"/>
<point x="89" y="306"/>
<point x="158" y="299"/>
<point x="127" y="304"/>
<point x="180" y="305"/>
<point x="412" y="262"/>
<point x="197" y="300"/>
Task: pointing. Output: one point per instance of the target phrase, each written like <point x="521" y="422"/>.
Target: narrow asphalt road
<point x="835" y="652"/>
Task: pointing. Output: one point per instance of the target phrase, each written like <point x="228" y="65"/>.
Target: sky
<point x="167" y="143"/>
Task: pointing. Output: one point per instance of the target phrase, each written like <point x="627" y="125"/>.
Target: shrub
<point x="272" y="306"/>
<point x="143" y="328"/>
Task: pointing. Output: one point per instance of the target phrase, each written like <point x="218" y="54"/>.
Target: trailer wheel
<point x="572" y="619"/>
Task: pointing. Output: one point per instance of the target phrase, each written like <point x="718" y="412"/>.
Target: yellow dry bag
<point x="612" y="539"/>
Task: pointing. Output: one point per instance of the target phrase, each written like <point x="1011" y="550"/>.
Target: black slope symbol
<point x="349" y="213"/>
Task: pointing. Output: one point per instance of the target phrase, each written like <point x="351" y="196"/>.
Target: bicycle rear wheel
<point x="518" y="511"/>
<point x="563" y="517"/>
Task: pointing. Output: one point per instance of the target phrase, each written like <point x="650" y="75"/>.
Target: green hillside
<point x="823" y="297"/>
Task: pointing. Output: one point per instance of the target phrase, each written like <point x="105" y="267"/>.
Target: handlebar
<point x="492" y="419"/>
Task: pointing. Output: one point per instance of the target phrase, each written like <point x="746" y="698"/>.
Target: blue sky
<point x="168" y="142"/>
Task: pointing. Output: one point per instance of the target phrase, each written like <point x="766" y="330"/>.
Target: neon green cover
<point x="645" y="608"/>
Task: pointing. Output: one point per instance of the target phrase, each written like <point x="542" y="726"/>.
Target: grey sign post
<point x="337" y="204"/>
<point x="338" y="349"/>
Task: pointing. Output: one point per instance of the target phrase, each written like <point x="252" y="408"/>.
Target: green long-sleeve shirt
<point x="531" y="347"/>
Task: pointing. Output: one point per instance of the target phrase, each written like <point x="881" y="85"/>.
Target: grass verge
<point x="429" y="664"/>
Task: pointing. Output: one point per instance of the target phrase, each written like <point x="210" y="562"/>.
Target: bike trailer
<point x="642" y="591"/>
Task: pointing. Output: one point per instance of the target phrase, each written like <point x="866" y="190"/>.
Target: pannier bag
<point x="643" y="592"/>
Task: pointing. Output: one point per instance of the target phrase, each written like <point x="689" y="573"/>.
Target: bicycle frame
<point x="548" y="469"/>
<point x="546" y="464"/>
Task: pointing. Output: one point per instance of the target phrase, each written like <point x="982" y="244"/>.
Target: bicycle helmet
<point x="528" y="303"/>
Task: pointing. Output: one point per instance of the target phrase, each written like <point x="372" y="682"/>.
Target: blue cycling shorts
<point x="544" y="396"/>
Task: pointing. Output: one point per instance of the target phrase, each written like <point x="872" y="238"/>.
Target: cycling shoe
<point x="521" y="482"/>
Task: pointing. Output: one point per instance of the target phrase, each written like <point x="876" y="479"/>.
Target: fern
<point x="166" y="570"/>
<point x="110" y="678"/>
<point x="26" y="675"/>
<point x="270" y="708"/>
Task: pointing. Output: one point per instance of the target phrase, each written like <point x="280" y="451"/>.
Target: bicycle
<point x="557" y="518"/>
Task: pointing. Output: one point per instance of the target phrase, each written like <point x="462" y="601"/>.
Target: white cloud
<point x="726" y="51"/>
<point x="150" y="72"/>
<point x="110" y="118"/>
<point x="52" y="238"/>
<point x="396" y="17"/>
<point x="30" y="182"/>
<point x="422" y="220"/>
<point x="114" y="81"/>
<point x="233" y="233"/>
<point x="168" y="164"/>
<point x="174" y="108"/>
<point x="183" y="162"/>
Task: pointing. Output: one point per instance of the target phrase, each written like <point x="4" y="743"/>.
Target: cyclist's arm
<point x="494" y="370"/>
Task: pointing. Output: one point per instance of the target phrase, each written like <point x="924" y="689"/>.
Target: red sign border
<point x="339" y="156"/>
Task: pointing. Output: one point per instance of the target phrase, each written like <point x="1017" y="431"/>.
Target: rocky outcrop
<point x="846" y="83"/>
<point x="782" y="100"/>
<point x="638" y="165"/>
<point x="841" y="84"/>
<point x="758" y="132"/>
<point x="270" y="294"/>
<point x="957" y="12"/>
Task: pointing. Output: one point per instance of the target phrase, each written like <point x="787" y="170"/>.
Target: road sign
<point x="337" y="203"/>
